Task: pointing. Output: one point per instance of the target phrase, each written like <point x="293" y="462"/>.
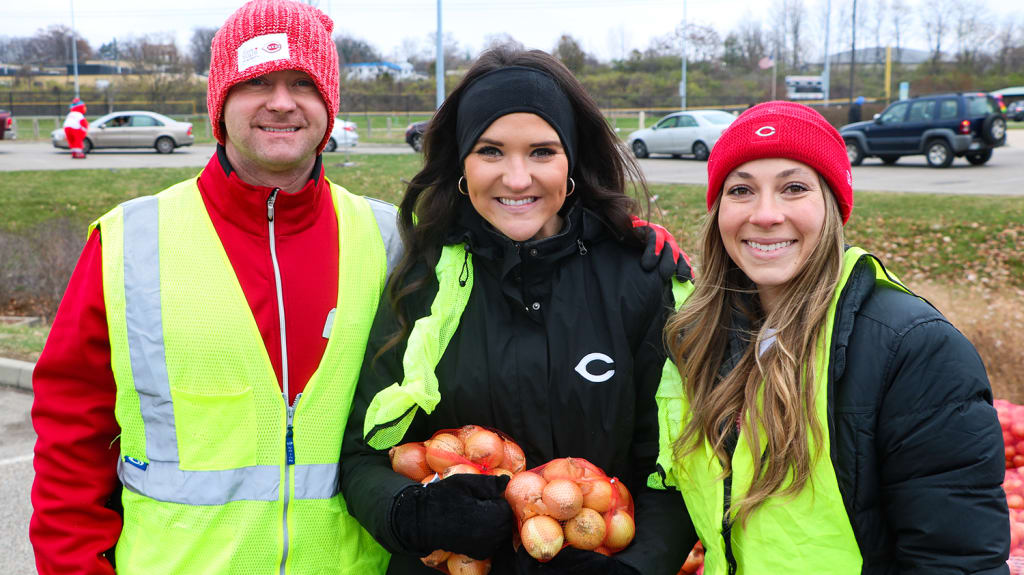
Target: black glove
<point x="668" y="262"/>
<point x="464" y="514"/>
<point x="572" y="561"/>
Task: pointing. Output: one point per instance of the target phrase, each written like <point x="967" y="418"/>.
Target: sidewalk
<point x="15" y="373"/>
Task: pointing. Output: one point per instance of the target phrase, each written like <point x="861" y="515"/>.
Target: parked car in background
<point x="7" y="131"/>
<point x="1015" y="111"/>
<point x="343" y="134"/>
<point x="682" y="133"/>
<point x="414" y="135"/>
<point x="132" y="129"/>
<point x="940" y="126"/>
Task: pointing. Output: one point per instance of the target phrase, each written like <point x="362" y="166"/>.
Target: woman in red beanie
<point x="823" y="418"/>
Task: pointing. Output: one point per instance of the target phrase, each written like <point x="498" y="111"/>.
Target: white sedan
<point x="343" y="134"/>
<point x="690" y="133"/>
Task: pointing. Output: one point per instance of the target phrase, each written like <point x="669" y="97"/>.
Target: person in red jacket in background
<point x="75" y="126"/>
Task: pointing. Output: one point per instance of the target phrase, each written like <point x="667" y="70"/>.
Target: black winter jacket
<point x="536" y="310"/>
<point x="916" y="443"/>
<point x="914" y="439"/>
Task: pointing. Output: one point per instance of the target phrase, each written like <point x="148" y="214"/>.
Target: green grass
<point x="22" y="342"/>
<point x="943" y="240"/>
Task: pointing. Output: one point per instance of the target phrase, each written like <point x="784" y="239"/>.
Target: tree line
<point x="969" y="47"/>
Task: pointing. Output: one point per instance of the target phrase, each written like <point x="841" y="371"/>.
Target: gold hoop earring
<point x="459" y="186"/>
<point x="573" y="189"/>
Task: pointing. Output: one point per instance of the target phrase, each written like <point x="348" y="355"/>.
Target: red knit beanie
<point x="266" y="36"/>
<point x="783" y="130"/>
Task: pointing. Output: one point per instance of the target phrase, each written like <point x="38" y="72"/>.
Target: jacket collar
<point x="245" y="205"/>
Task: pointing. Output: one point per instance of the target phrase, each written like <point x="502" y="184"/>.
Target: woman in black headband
<point x="521" y="305"/>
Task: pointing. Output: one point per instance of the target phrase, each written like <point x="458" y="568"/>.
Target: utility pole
<point x="682" y="84"/>
<point x="74" y="46"/>
<point x="826" y="79"/>
<point x="853" y="49"/>
<point x="439" y="64"/>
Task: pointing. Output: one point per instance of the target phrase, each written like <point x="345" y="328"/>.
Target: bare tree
<point x="1008" y="44"/>
<point x="745" y="45"/>
<point x="352" y="50"/>
<point x="875" y="16"/>
<point x="199" y="48"/>
<point x="899" y="19"/>
<point x="794" y="25"/>
<point x="972" y="32"/>
<point x="503" y="39"/>
<point x="52" y="46"/>
<point x="935" y="20"/>
<point x="569" y="51"/>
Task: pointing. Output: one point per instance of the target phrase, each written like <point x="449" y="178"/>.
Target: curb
<point x="16" y="373"/>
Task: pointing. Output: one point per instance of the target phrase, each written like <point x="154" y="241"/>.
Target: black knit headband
<point x="509" y="90"/>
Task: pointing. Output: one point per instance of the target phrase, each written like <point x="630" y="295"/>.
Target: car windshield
<point x="719" y="118"/>
<point x="980" y="106"/>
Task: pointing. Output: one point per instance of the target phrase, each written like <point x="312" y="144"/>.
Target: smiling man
<point x="191" y="398"/>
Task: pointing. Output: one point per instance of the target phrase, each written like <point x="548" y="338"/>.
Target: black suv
<point x="1016" y="110"/>
<point x="414" y="135"/>
<point x="941" y="126"/>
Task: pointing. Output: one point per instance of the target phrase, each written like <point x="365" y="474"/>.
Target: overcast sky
<point x="606" y="28"/>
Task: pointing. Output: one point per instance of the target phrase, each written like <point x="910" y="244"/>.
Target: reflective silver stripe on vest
<point x="387" y="221"/>
<point x="162" y="479"/>
<point x="316" y="481"/>
<point x="145" y="326"/>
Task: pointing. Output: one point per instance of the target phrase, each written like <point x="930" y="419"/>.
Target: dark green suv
<point x="941" y="126"/>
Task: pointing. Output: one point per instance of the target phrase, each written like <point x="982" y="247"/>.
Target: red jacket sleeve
<point x="76" y="451"/>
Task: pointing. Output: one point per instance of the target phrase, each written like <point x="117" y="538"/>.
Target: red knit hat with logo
<point x="783" y="130"/>
<point x="265" y="36"/>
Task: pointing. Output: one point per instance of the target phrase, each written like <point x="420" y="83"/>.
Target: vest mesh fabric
<point x="391" y="411"/>
<point x="228" y="410"/>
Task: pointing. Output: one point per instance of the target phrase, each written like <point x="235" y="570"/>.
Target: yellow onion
<point x="620" y="530"/>
<point x="443" y="451"/>
<point x="410" y="460"/>
<point x="542" y="537"/>
<point x="586" y="530"/>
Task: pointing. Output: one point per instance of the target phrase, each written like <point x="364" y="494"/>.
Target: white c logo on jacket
<point x="581" y="367"/>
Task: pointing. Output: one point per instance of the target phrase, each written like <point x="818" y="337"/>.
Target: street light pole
<point x="682" y="84"/>
<point x="74" y="46"/>
<point x="826" y="78"/>
<point x="439" y="64"/>
<point x="853" y="49"/>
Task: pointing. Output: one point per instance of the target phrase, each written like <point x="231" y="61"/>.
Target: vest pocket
<point x="215" y="431"/>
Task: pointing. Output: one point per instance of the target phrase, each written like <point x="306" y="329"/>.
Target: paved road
<point x="1002" y="175"/>
<point x="16" y="441"/>
<point x="16" y="155"/>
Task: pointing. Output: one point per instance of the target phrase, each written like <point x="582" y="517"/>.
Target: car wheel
<point x="639" y="149"/>
<point x="979" y="158"/>
<point x="164" y="145"/>
<point x="700" y="151"/>
<point x="889" y="160"/>
<point x="939" y="154"/>
<point x="417" y="142"/>
<point x="993" y="129"/>
<point x="331" y="145"/>
<point x="87" y="145"/>
<point x="854" y="152"/>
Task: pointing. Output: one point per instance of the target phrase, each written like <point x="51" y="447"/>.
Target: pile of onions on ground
<point x="470" y="449"/>
<point x="570" y="501"/>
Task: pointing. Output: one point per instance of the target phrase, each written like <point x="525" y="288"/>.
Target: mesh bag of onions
<point x="570" y="501"/>
<point x="469" y="449"/>
<point x="1011" y="420"/>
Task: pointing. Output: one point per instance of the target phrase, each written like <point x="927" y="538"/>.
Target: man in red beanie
<point x="75" y="126"/>
<point x="191" y="397"/>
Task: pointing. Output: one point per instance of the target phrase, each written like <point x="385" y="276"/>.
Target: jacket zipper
<point x="290" y="409"/>
<point x="727" y="526"/>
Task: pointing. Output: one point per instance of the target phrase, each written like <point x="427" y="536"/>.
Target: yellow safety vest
<point x="809" y="532"/>
<point x="220" y="475"/>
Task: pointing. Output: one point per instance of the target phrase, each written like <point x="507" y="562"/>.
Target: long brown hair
<point x="602" y="171"/>
<point x="773" y="391"/>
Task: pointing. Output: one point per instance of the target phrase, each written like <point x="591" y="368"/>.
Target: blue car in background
<point x="940" y="126"/>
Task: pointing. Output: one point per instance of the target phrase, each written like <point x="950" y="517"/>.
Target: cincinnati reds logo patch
<point x="272" y="47"/>
<point x="765" y="131"/>
<point x="583" y="367"/>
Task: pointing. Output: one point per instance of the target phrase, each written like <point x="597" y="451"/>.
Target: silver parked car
<point x="343" y="134"/>
<point x="132" y="129"/>
<point x="690" y="133"/>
